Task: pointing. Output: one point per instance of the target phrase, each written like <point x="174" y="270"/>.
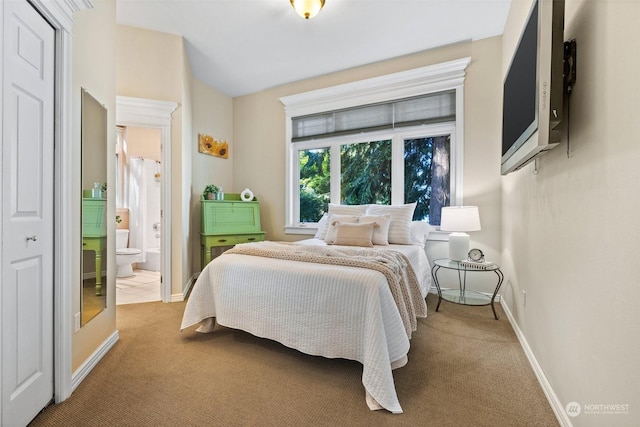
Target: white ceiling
<point x="245" y="46"/>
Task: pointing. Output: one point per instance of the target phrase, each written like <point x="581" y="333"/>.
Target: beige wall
<point x="571" y="232"/>
<point x="143" y="142"/>
<point x="259" y="137"/>
<point x="212" y="115"/>
<point x="187" y="178"/>
<point x="93" y="69"/>
<point x="151" y="65"/>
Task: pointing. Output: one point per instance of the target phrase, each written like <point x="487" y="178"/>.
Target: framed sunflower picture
<point x="212" y="146"/>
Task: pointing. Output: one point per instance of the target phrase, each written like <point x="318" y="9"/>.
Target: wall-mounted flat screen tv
<point x="534" y="87"/>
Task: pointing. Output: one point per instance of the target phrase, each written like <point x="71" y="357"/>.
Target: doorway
<point x="155" y="116"/>
<point x="139" y="171"/>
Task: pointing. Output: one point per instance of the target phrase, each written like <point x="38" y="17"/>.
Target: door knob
<point x="34" y="238"/>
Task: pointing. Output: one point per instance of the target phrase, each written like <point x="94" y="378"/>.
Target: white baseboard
<point x="185" y="292"/>
<point x="555" y="403"/>
<point x="81" y="373"/>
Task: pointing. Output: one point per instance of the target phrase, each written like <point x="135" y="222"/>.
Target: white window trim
<point x="420" y="81"/>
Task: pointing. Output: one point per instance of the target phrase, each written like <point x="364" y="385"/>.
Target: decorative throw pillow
<point x="335" y="209"/>
<point x="380" y="233"/>
<point x="331" y="229"/>
<point x="401" y="216"/>
<point x="354" y="234"/>
<point x="324" y="227"/>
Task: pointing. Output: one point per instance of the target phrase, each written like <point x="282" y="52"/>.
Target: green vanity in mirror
<point x="93" y="298"/>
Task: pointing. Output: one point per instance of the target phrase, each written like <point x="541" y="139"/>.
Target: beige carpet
<point x="465" y="369"/>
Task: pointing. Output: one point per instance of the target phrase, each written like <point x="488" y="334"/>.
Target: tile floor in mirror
<point x="143" y="286"/>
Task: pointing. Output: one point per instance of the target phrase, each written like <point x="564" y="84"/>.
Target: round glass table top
<point x="466" y="266"/>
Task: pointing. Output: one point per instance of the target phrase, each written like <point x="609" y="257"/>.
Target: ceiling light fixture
<point x="307" y="8"/>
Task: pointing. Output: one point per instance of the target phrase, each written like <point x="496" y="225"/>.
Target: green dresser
<point x="228" y="222"/>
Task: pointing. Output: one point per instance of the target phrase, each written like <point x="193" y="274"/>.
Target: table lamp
<point x="459" y="219"/>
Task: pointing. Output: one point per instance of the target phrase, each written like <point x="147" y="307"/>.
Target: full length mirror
<point x="94" y="208"/>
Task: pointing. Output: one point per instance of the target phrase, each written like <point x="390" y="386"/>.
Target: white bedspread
<point x="415" y="253"/>
<point x="324" y="310"/>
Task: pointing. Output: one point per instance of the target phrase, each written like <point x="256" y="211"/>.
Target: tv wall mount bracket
<point x="569" y="74"/>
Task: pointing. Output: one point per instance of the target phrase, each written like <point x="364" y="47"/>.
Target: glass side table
<point x="462" y="295"/>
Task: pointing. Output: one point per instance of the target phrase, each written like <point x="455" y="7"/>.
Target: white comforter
<point x="318" y="309"/>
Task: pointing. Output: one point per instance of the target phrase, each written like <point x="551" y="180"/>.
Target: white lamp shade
<point x="460" y="218"/>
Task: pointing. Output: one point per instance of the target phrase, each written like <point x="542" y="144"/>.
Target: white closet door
<point x="27" y="212"/>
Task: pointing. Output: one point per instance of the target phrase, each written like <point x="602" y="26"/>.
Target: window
<point x="426" y="175"/>
<point x="389" y="140"/>
<point x="398" y="167"/>
<point x="365" y="173"/>
<point x="314" y="180"/>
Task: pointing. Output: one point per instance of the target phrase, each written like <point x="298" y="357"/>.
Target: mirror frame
<point x="93" y="153"/>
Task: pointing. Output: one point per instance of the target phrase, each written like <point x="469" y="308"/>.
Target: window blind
<point x="425" y="109"/>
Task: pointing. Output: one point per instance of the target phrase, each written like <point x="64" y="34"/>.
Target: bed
<point x="331" y="309"/>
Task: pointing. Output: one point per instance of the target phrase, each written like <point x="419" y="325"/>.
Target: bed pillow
<point x="419" y="232"/>
<point x="321" y="232"/>
<point x="401" y="216"/>
<point x="354" y="234"/>
<point x="323" y="227"/>
<point x="331" y="225"/>
<point x="347" y="209"/>
<point x="380" y="233"/>
<point x="335" y="209"/>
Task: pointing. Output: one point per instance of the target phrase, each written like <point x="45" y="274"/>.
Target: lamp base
<point x="458" y="246"/>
